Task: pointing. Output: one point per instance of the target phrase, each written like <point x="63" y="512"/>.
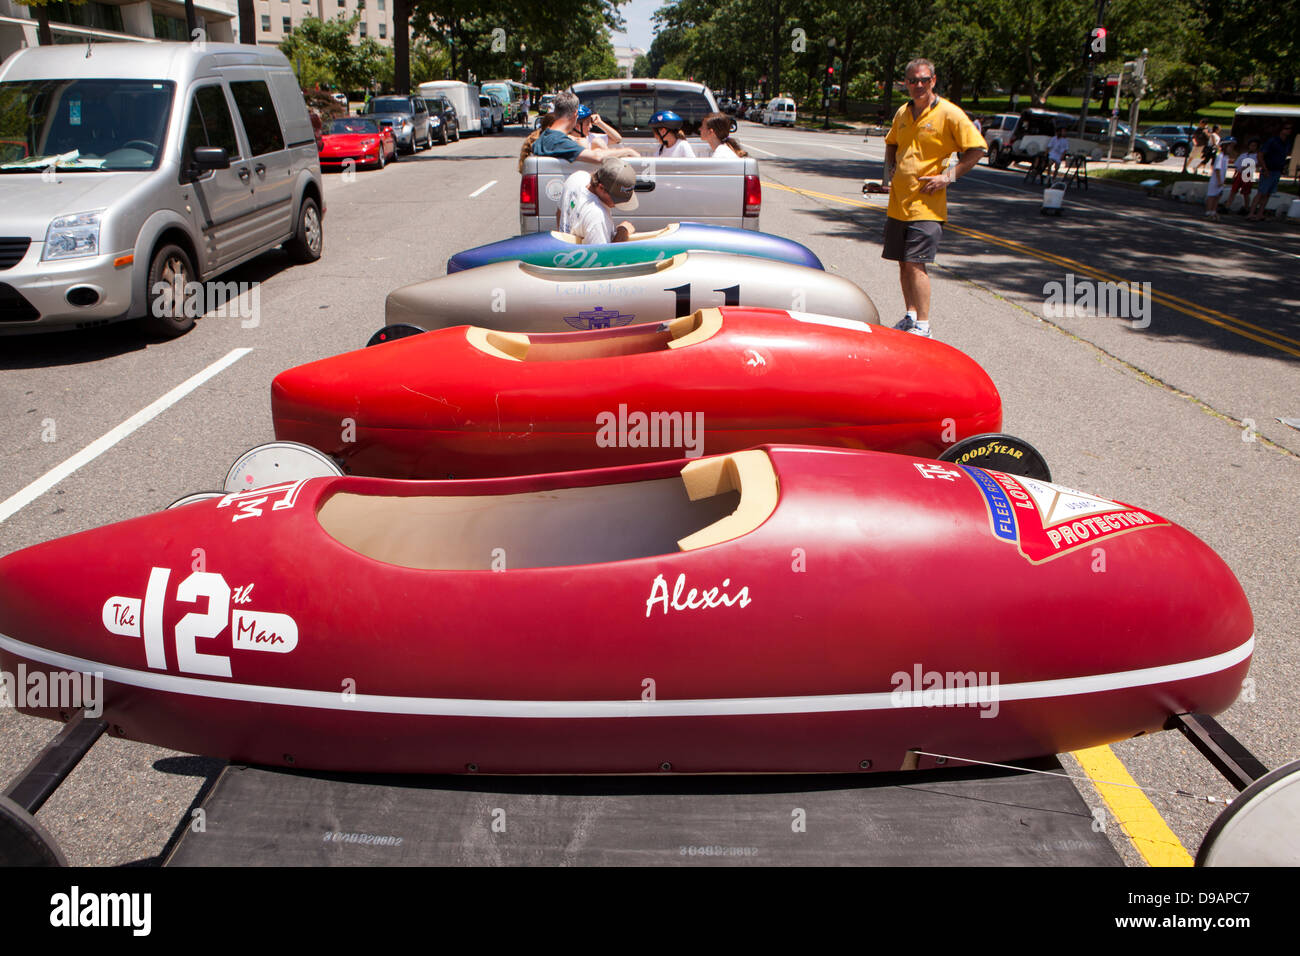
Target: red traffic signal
<point x="830" y="71"/>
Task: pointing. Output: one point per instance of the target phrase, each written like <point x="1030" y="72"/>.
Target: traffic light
<point x="1095" y="44"/>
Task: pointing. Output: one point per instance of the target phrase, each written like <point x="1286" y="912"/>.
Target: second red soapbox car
<point x="469" y="402"/>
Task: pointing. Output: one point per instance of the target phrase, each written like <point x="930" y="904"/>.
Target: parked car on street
<point x="780" y="111"/>
<point x="143" y="170"/>
<point x="492" y="112"/>
<point x="358" y="138"/>
<point x="409" y="117"/>
<point x="998" y="131"/>
<point x="1177" y="138"/>
<point x="1148" y="150"/>
<point x="443" y="121"/>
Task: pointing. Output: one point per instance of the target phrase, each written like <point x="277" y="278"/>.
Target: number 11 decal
<point x="730" y="296"/>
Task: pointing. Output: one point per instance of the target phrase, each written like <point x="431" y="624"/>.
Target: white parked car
<point x="780" y="111"/>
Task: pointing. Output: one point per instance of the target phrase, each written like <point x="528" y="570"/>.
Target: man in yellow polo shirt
<point x="924" y="134"/>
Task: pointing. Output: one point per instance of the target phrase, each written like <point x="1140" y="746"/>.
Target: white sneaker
<point x="909" y="324"/>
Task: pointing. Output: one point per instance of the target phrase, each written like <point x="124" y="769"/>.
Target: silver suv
<point x="998" y="130"/>
<point x="129" y="172"/>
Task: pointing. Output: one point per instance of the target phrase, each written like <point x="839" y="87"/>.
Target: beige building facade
<point x="106" y="20"/>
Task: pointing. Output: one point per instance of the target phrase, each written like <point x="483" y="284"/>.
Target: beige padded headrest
<point x="748" y="472"/>
<point x="506" y="345"/>
<point x="693" y="329"/>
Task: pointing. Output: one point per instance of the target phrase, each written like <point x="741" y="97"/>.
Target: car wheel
<point x="382" y="158"/>
<point x="1180" y="150"/>
<point x="1142" y="156"/>
<point x="308" y="242"/>
<point x="456" y="138"/>
<point x="442" y="136"/>
<point x="170" y="272"/>
<point x="994" y="150"/>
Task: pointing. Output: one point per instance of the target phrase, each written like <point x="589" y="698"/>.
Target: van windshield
<point x="83" y="125"/>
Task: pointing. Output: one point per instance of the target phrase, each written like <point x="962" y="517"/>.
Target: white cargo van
<point x="780" y="111"/>
<point x="131" y="172"/>
<point x="463" y="96"/>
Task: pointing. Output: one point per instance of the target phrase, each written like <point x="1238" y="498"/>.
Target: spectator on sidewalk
<point x="1274" y="154"/>
<point x="1210" y="151"/>
<point x="1218" y="177"/>
<point x="1200" y="138"/>
<point x="1056" y="150"/>
<point x="1245" y="173"/>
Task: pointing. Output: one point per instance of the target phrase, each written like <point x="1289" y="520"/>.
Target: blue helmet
<point x="667" y="119"/>
<point x="584" y="111"/>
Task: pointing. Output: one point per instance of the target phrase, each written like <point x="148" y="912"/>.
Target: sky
<point x="638" y="15"/>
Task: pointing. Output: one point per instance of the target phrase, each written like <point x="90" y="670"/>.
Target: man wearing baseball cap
<point x="588" y="198"/>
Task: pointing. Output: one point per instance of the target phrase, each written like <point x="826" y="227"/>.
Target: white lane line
<point x="110" y="438"/>
<point x="856" y="152"/>
<point x="482" y="189"/>
<point x="751" y="146"/>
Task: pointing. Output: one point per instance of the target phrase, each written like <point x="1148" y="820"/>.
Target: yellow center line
<point x="1201" y="313"/>
<point x="1138" y="817"/>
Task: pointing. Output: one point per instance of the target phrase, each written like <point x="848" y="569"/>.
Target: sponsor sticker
<point x="599" y="318"/>
<point x="1045" y="521"/>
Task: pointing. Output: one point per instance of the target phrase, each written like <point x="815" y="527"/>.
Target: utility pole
<point x="1094" y="44"/>
<point x="1139" y="88"/>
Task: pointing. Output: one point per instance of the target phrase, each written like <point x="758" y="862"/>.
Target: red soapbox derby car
<point x="472" y="403"/>
<point x="752" y="612"/>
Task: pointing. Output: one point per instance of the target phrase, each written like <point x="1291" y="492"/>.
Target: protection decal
<point x="1045" y="521"/>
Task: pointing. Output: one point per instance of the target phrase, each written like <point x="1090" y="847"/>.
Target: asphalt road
<point x="1158" y="415"/>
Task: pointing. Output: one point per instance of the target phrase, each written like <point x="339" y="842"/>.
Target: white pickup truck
<point x="722" y="192"/>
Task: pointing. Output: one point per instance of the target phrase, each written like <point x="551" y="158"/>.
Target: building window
<point x="382" y="4"/>
<point x="100" y="16"/>
<point x="383" y="30"/>
<point x="169" y="28"/>
<point x="363" y="27"/>
<point x="287" y="25"/>
<point x="266" y="23"/>
<point x="342" y="2"/>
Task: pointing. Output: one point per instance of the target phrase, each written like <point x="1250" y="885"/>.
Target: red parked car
<point x="362" y="140"/>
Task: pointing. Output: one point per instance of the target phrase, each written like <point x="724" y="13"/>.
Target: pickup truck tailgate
<point x="711" y="191"/>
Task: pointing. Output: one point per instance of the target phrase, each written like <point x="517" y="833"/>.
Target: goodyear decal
<point x="1045" y="521"/>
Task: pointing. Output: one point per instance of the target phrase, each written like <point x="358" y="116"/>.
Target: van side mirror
<point x="205" y="158"/>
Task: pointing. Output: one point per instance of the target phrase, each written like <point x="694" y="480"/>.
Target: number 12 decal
<point x="730" y="296"/>
<point x="250" y="629"/>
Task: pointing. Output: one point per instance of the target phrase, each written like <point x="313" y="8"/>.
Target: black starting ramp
<point x="974" y="816"/>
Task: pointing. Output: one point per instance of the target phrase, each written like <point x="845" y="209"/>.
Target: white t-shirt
<point x="597" y="141"/>
<point x="724" y="152"/>
<point x="1218" y="172"/>
<point x="582" y="214"/>
<point x="680" y="148"/>
<point x="1057" y="149"/>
